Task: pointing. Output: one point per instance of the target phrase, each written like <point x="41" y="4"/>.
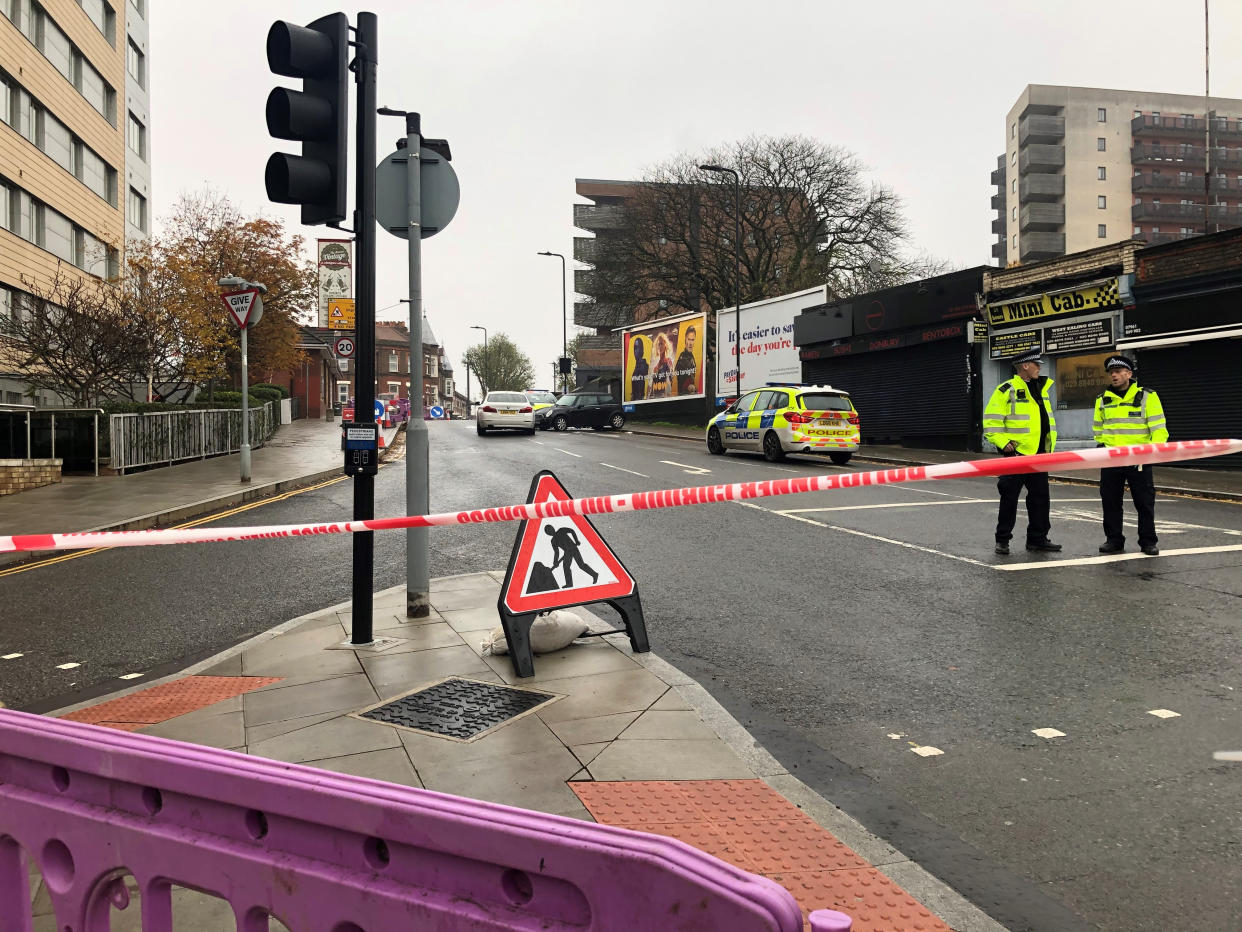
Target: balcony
<point x="999" y="252"/>
<point x="1039" y="187"/>
<point x="998" y="202"/>
<point x="1037" y="158"/>
<point x="998" y="178"/>
<point x="1155" y="239"/>
<point x="584" y="281"/>
<point x="1166" y="126"/>
<point x="998" y="226"/>
<point x="1185" y="154"/>
<point x="1040" y="128"/>
<point x="585" y="249"/>
<point x="1222" y="217"/>
<point x="1035" y="246"/>
<point x="599" y="217"/>
<point x="1178" y="213"/>
<point x="1041" y="217"/>
<point x="1183" y="183"/>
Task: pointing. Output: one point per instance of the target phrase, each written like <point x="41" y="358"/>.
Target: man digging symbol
<point x="565" y="552"/>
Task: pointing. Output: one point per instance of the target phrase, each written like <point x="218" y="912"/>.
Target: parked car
<point x="501" y="410"/>
<point x="788" y="418"/>
<point x="541" y="401"/>
<point x="584" y="409"/>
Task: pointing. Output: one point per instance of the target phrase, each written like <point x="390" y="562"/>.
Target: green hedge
<point x="284" y="392"/>
<point x="223" y="400"/>
<point x="264" y="393"/>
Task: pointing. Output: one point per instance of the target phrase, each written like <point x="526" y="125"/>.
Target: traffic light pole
<point x="417" y="494"/>
<point x="365" y="62"/>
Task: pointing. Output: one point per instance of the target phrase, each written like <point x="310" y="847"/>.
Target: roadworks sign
<point x="561" y="561"/>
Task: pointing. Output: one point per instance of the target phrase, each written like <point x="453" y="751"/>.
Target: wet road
<point x="856" y="634"/>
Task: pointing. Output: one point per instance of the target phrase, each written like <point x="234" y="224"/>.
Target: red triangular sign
<point x="558" y="562"/>
<point x="239" y="304"/>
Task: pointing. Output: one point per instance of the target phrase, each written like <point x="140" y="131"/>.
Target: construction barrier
<point x="100" y="812"/>
<point x="1138" y="455"/>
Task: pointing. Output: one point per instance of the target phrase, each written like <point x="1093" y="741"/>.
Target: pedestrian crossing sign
<point x="561" y="561"/>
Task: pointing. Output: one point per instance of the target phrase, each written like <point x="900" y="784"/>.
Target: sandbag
<point x="550" y="631"/>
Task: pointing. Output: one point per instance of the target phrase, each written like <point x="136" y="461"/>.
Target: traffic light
<point x="318" y="116"/>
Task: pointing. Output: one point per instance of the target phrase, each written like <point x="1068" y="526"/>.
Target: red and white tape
<point x="1141" y="454"/>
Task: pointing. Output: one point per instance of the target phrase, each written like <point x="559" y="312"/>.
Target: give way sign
<point x="240" y="304"/>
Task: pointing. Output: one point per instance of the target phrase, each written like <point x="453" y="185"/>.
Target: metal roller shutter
<point x="906" y="394"/>
<point x="1200" y="386"/>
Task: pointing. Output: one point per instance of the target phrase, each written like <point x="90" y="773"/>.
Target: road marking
<point x="926" y="750"/>
<point x="1047" y="733"/>
<point x="567" y="453"/>
<point x="130" y="676"/>
<point x="540" y="442"/>
<point x="1164" y="713"/>
<point x="1162" y="526"/>
<point x="692" y="470"/>
<point x="1112" y="558"/>
<point x="895" y="735"/>
<point x="10" y="656"/>
<point x="965" y="501"/>
<point x="623" y="469"/>
<point x="1227" y="755"/>
<point x="67" y="666"/>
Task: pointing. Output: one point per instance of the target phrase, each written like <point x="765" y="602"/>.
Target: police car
<point x="785" y="418"/>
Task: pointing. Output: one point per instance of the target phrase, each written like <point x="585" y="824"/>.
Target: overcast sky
<point x="532" y="94"/>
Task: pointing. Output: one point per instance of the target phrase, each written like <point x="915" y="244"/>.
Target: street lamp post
<point x="484" y="375"/>
<point x="564" y="313"/>
<point x="737" y="266"/>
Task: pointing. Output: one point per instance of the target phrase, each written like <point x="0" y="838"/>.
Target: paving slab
<point x="669" y="760"/>
<point x="603" y="694"/>
<point x="389" y="764"/>
<point x="532" y="781"/>
<point x="335" y="737"/>
<point x="423" y="666"/>
<point x="338" y="693"/>
<point x="592" y="730"/>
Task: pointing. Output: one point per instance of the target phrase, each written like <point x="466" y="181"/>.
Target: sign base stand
<point x="517" y="631"/>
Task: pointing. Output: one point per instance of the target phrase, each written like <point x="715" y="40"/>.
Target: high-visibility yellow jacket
<point x="1132" y="416"/>
<point x="1012" y="414"/>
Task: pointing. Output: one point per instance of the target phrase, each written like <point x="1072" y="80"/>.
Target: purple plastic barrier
<point x="324" y="852"/>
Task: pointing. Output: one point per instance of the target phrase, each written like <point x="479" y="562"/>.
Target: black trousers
<point x="1037" y="501"/>
<point x="1113" y="481"/>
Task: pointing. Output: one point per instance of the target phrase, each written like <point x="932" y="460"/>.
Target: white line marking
<point x="1047" y="733"/>
<point x="965" y="501"/>
<point x="623" y="469"/>
<point x="1227" y="755"/>
<point x="927" y="751"/>
<point x="1164" y="713"/>
<point x="540" y="442"/>
<point x="692" y="470"/>
<point x="567" y="453"/>
<point x="895" y="735"/>
<point x="67" y="666"/>
<point x="1113" y="558"/>
<point x="130" y="676"/>
<point x="10" y="656"/>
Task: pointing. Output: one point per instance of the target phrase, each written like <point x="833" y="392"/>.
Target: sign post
<point x="246" y="308"/>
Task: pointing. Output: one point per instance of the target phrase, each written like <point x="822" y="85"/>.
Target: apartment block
<point x="1084" y="167"/>
<point x="75" y="147"/>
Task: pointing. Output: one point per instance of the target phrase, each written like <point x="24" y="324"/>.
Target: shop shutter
<point x="913" y="395"/>
<point x="1200" y="385"/>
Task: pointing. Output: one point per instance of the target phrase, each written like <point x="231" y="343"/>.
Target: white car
<point x="511" y="410"/>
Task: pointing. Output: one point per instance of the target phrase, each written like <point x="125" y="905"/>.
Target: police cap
<point x="1030" y="356"/>
<point x="1119" y="362"/>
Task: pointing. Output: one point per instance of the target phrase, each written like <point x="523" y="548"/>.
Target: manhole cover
<point x="458" y="708"/>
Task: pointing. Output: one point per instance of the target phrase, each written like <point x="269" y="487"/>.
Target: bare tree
<point x="808" y="218"/>
<point x="69" y="338"/>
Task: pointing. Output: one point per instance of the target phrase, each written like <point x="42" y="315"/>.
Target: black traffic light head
<point x="318" y="116"/>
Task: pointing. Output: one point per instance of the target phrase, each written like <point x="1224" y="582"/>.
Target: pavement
<point x="613" y="736"/>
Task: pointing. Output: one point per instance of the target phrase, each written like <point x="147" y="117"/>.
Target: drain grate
<point x="458" y="708"/>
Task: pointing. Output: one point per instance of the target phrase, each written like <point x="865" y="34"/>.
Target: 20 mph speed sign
<point x="345" y="347"/>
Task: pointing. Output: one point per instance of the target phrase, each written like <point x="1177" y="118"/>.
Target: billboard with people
<point x="663" y="360"/>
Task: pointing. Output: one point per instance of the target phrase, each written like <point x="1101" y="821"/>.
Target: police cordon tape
<point x="1139" y="455"/>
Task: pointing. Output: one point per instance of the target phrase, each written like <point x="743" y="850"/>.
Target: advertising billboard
<point x="767" y="341"/>
<point x="663" y="360"/>
<point x="336" y="274"/>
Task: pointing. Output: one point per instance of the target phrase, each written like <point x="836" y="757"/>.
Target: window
<point x="5" y="206"/>
<point x="140" y="6"/>
<point x="1138" y="231"/>
<point x="1101" y="115"/>
<point x="1013" y="186"/>
<point x="1187" y="231"/>
<point x="6" y="98"/>
<point x="56" y="47"/>
<point x="98" y="92"/>
<point x="1138" y="113"/>
<point x="27" y="119"/>
<point x="1013" y="213"/>
<point x="1101" y="202"/>
<point x="394" y="388"/>
<point x="429" y="366"/>
<point x="56" y="234"/>
<point x="1015" y="241"/>
<point x="342" y="389"/>
<point x="393" y="363"/>
<point x="1100" y="144"/>
<point x="1138" y="200"/>
<point x="136" y="136"/>
<point x="1013" y="130"/>
<point x="1013" y="159"/>
<point x="136" y="210"/>
<point x="137" y="64"/>
<point x="1101" y="230"/>
<point x="56" y="140"/>
<point x="102" y="16"/>
<point x="1101" y="173"/>
<point x="90" y="254"/>
<point x="1155" y="229"/>
<point x="343" y="363"/>
<point x="96" y="174"/>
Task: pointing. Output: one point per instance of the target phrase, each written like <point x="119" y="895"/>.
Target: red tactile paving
<point x="750" y="825"/>
<point x="168" y="700"/>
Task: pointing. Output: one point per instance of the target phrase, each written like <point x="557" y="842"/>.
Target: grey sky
<point x="534" y="93"/>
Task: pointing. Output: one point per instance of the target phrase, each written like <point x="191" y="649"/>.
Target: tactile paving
<point x="168" y="700"/>
<point x="750" y="825"/>
<point x="458" y="708"/>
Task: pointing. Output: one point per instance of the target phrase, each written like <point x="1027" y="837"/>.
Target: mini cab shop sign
<point x="1097" y="297"/>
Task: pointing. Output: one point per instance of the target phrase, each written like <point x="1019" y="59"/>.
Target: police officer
<point x="1127" y="414"/>
<point x="1018" y="420"/>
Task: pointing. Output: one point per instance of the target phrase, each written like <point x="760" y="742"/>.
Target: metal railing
<point x="159" y="437"/>
<point x="91" y="808"/>
<point x="18" y="422"/>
